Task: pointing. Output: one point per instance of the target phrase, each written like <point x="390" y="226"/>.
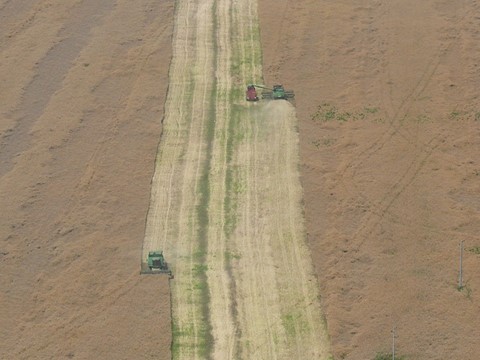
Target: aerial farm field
<point x="305" y="229"/>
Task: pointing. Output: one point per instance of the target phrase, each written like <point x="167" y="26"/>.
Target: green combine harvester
<point x="156" y="264"/>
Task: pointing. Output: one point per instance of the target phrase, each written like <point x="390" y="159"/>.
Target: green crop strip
<point x="206" y="345"/>
<point x="200" y="288"/>
<point x="234" y="182"/>
<point x="327" y="112"/>
<point x="186" y="116"/>
<point x="241" y="62"/>
<point x="231" y="178"/>
<point x="230" y="201"/>
<point x="200" y="269"/>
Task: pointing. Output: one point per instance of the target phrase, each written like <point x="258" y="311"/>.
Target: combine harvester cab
<point x="156" y="264"/>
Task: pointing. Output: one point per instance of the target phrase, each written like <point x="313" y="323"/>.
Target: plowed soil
<point x="388" y="114"/>
<point x="82" y="90"/>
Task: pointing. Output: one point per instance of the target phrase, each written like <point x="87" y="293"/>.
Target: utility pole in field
<point x="460" y="276"/>
<point x="393" y="343"/>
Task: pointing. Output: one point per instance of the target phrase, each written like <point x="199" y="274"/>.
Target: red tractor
<point x="251" y="93"/>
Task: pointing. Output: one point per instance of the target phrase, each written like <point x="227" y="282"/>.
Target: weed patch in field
<point x="475" y="250"/>
<point x="422" y="119"/>
<point x="324" y="142"/>
<point x="231" y="255"/>
<point x="388" y="356"/>
<point x="294" y="323"/>
<point x="327" y="112"/>
<point x="462" y="115"/>
<point x="466" y="290"/>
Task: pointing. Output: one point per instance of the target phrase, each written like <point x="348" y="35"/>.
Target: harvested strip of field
<point x="226" y="203"/>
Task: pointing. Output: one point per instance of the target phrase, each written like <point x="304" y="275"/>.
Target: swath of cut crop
<point x="226" y="203"/>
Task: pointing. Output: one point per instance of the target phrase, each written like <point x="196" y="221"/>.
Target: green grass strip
<point x="206" y="336"/>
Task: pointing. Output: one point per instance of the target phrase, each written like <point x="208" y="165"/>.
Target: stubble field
<point x="387" y="109"/>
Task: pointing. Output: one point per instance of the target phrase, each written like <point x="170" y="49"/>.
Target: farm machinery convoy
<point x="277" y="92"/>
<point x="155" y="262"/>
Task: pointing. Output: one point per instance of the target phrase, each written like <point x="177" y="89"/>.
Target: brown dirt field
<point x="390" y="166"/>
<point x="390" y="184"/>
<point x="82" y="86"/>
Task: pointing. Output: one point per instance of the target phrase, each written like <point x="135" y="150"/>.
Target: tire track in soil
<point x="397" y="121"/>
<point x="244" y="285"/>
<point x="49" y="74"/>
<point x="396" y="128"/>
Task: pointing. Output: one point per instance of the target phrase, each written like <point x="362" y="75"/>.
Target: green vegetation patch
<point x="327" y="112"/>
<point x="455" y="114"/>
<point x="388" y="356"/>
<point x="181" y="338"/>
<point x="466" y="114"/>
<point x="294" y="324"/>
<point x="475" y="250"/>
<point x="324" y="142"/>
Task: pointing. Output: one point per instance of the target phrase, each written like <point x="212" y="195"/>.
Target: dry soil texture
<point x="387" y="95"/>
<point x="226" y="203"/>
<point x="82" y="88"/>
<point x="389" y="168"/>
